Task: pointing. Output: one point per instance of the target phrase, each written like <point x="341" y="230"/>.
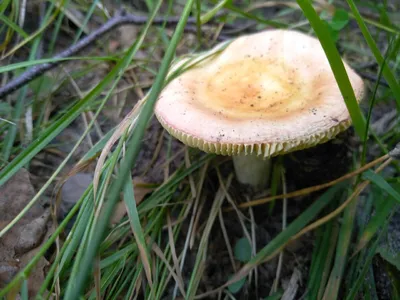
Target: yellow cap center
<point x="254" y="87"/>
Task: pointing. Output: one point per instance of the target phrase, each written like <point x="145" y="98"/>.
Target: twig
<point x="114" y="22"/>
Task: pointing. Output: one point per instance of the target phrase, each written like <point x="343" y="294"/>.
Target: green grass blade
<point x="366" y="264"/>
<point x="362" y="219"/>
<point x="160" y="194"/>
<point x="86" y="20"/>
<point x="12" y="25"/>
<point x="322" y="260"/>
<point x="198" y="22"/>
<point x="49" y="19"/>
<point x="89" y="223"/>
<point x="375" y="223"/>
<point x="328" y="259"/>
<point x="76" y="285"/>
<point x="387" y="73"/>
<point x="57" y="126"/>
<point x="382" y="213"/>
<point x="371" y="106"/>
<point x="382" y="183"/>
<point x="337" y="66"/>
<point x="24" y="290"/>
<point x="282" y="238"/>
<point x="212" y="12"/>
<point x="342" y="249"/>
<point x="69" y="246"/>
<point x="137" y="230"/>
<point x="199" y="265"/>
<point x="247" y="15"/>
<point x="98" y="146"/>
<point x="57" y="171"/>
<point x="315" y="267"/>
<point x="13" y="127"/>
<point x="24" y="273"/>
<point x="19" y="108"/>
<point x="30" y="63"/>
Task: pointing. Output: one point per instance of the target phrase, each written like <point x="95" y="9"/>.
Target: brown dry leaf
<point x="22" y="241"/>
<point x="141" y="190"/>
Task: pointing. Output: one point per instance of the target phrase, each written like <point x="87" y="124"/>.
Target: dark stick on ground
<point x="119" y="20"/>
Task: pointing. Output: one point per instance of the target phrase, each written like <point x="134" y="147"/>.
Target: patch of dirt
<point x="23" y="240"/>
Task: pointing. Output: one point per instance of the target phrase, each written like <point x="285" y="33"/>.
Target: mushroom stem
<point x="252" y="170"/>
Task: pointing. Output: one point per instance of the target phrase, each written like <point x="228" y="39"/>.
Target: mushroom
<point x="265" y="94"/>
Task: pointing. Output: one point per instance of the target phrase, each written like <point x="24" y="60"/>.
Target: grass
<point x="164" y="246"/>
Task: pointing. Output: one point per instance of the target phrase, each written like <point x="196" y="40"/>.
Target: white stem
<point x="252" y="170"/>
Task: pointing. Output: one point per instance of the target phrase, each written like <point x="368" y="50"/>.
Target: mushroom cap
<point x="266" y="94"/>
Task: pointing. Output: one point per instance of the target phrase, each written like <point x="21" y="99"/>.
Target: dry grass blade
<point x="284" y="221"/>
<point x="226" y="238"/>
<point x="294" y="283"/>
<point x="200" y="258"/>
<point x="35" y="34"/>
<point x="161" y="255"/>
<point x="192" y="223"/>
<point x="337" y="211"/>
<point x="196" y="219"/>
<point x="156" y="153"/>
<point x="134" y="220"/>
<point x="173" y="253"/>
<point x="327" y="265"/>
<point x="383" y="214"/>
<point x="122" y="127"/>
<point x="240" y="215"/>
<point x="312" y="189"/>
<point x="198" y="206"/>
<point x="191" y="180"/>
<point x="276" y="245"/>
<point x="318" y="223"/>
<point x="254" y="242"/>
<point x="242" y="272"/>
<point x="79" y="167"/>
